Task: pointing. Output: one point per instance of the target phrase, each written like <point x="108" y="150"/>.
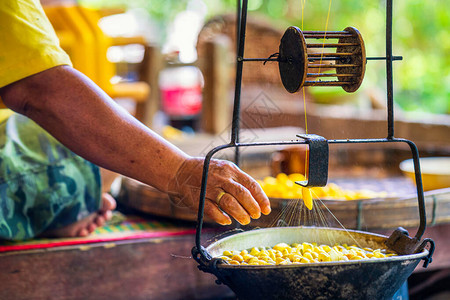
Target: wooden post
<point x="215" y="65"/>
<point x="149" y="72"/>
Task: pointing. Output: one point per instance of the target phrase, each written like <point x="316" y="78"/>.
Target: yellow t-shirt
<point x="28" y="43"/>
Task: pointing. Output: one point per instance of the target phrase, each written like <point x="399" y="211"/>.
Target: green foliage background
<point x="421" y="35"/>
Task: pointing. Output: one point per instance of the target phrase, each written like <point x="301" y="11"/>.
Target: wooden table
<point x="137" y="269"/>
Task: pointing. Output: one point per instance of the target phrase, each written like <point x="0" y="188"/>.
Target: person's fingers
<point x="243" y="197"/>
<point x="212" y="211"/>
<point x="232" y="207"/>
<point x="256" y="191"/>
<point x="228" y="177"/>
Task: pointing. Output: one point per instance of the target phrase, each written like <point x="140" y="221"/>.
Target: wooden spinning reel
<point x="299" y="68"/>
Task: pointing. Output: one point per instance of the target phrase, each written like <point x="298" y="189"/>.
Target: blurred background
<point x="421" y="36"/>
<point x="172" y="64"/>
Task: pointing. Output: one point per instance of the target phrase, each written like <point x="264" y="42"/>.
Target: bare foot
<point x="87" y="225"/>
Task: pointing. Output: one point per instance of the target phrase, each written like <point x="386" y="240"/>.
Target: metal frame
<point x="400" y="236"/>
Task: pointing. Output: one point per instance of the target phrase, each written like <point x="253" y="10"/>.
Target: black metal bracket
<point x="402" y="243"/>
<point x="208" y="264"/>
<point x="317" y="160"/>
<point x="429" y="258"/>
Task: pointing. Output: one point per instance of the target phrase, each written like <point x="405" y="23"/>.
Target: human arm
<point x="81" y="116"/>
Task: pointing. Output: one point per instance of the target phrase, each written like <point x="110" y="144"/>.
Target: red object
<point x="93" y="239"/>
<point x="182" y="101"/>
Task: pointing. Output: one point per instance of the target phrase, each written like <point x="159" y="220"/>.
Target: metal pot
<point x="358" y="279"/>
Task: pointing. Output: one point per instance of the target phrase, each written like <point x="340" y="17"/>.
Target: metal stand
<point x="399" y="241"/>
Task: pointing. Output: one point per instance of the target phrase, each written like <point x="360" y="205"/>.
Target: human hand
<point x="229" y="191"/>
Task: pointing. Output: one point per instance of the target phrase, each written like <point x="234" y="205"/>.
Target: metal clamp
<point x="317" y="160"/>
<point x="429" y="258"/>
<point x="209" y="264"/>
<point x="403" y="244"/>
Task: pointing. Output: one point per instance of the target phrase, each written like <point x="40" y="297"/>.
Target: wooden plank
<point x="216" y="113"/>
<point x="139" y="269"/>
<point x="150" y="67"/>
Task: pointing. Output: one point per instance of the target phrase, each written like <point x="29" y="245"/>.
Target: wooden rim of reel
<point x="299" y="68"/>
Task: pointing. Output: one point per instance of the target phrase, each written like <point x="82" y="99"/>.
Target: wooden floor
<point x="139" y="269"/>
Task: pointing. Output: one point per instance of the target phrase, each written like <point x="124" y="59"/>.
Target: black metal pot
<point x="358" y="279"/>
